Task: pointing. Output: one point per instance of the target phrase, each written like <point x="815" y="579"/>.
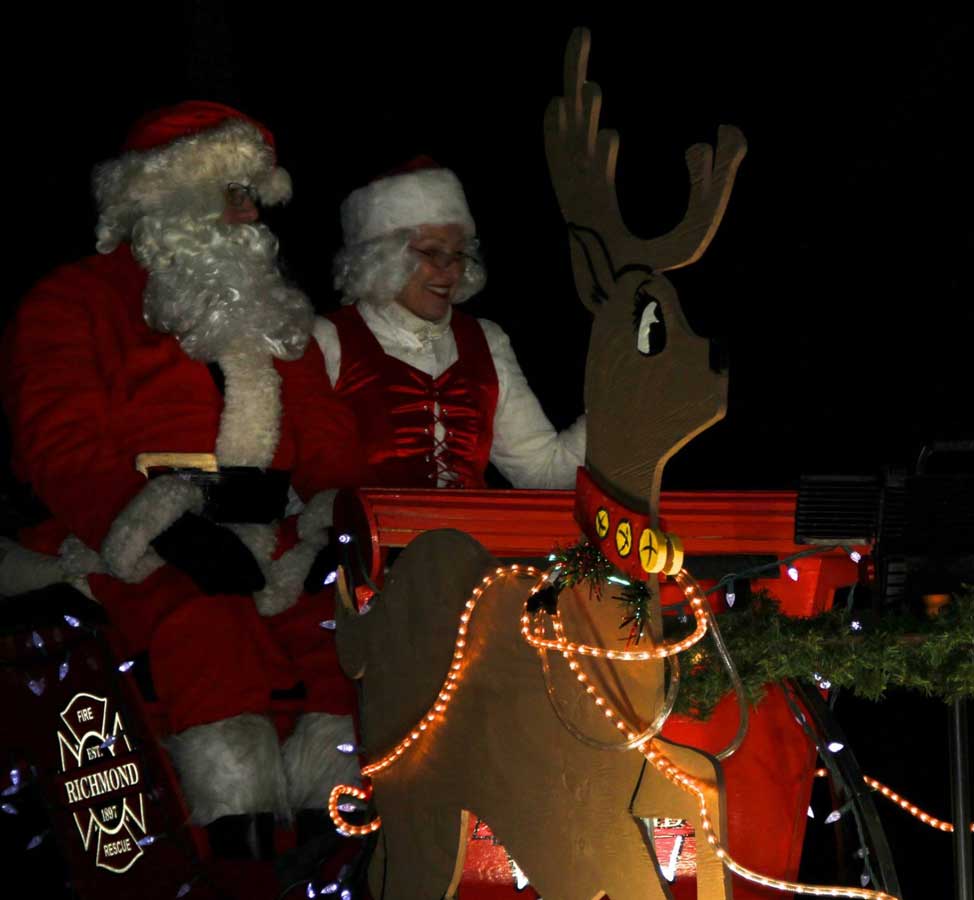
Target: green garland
<point x="840" y="648"/>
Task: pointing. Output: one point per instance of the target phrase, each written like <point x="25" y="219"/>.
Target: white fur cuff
<point x="285" y="578"/>
<point x="23" y="570"/>
<point x="158" y="505"/>
<point x="317" y="515"/>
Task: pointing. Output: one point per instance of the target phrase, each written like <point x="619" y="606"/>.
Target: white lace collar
<point x="393" y="319"/>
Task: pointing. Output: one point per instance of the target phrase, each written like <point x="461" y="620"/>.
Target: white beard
<point x="217" y="288"/>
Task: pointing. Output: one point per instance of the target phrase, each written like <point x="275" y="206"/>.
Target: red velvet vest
<point x="395" y="405"/>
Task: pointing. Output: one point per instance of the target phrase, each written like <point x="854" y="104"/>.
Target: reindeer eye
<point x="649" y="325"/>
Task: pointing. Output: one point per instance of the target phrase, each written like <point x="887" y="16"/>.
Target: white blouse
<point x="527" y="450"/>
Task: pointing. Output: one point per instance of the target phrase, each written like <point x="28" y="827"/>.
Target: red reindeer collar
<point x="624" y="537"/>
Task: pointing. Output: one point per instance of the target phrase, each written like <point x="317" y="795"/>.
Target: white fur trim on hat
<point x="143" y="180"/>
<point x="424" y="197"/>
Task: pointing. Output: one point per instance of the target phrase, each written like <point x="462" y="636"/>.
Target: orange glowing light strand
<point x="435" y="713"/>
<point x="670" y="770"/>
<point x="344" y="827"/>
<point x="902" y="803"/>
<point x="667" y="767"/>
<point x="691" y="785"/>
<point x="660" y="651"/>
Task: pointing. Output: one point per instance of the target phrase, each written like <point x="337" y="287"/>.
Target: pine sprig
<point x="582" y="562"/>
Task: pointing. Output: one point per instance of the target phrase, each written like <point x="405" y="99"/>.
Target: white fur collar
<point x="250" y="423"/>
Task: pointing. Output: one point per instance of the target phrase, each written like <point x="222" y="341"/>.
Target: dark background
<point x="839" y="276"/>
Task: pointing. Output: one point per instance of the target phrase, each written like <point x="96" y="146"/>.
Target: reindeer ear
<point x="594" y="274"/>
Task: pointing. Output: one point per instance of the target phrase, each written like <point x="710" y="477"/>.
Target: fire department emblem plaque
<point x="102" y="782"/>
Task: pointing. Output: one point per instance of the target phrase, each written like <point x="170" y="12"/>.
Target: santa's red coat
<point x="87" y="385"/>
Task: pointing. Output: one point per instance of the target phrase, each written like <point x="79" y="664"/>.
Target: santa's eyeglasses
<point x="238" y="194"/>
<point x="443" y="259"/>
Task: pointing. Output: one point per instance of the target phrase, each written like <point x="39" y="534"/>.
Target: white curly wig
<point x="379" y="221"/>
<point x="379" y="269"/>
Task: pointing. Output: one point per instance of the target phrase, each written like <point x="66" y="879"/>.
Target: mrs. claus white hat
<point x="418" y="193"/>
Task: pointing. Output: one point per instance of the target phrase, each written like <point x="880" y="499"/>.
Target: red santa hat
<point x="197" y="145"/>
<point x="421" y="192"/>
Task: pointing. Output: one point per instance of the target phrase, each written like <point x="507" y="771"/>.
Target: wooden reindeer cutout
<point x="571" y="814"/>
<point x="649" y="388"/>
<point x="563" y="809"/>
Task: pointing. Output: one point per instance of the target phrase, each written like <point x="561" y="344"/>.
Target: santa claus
<point x="438" y="394"/>
<point x="181" y="340"/>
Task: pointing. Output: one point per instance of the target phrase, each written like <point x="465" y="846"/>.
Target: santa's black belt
<point x="230" y="493"/>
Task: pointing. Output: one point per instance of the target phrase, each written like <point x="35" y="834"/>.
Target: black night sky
<point x="840" y="276"/>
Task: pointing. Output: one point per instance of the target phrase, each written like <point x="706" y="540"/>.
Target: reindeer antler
<point x="582" y="162"/>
